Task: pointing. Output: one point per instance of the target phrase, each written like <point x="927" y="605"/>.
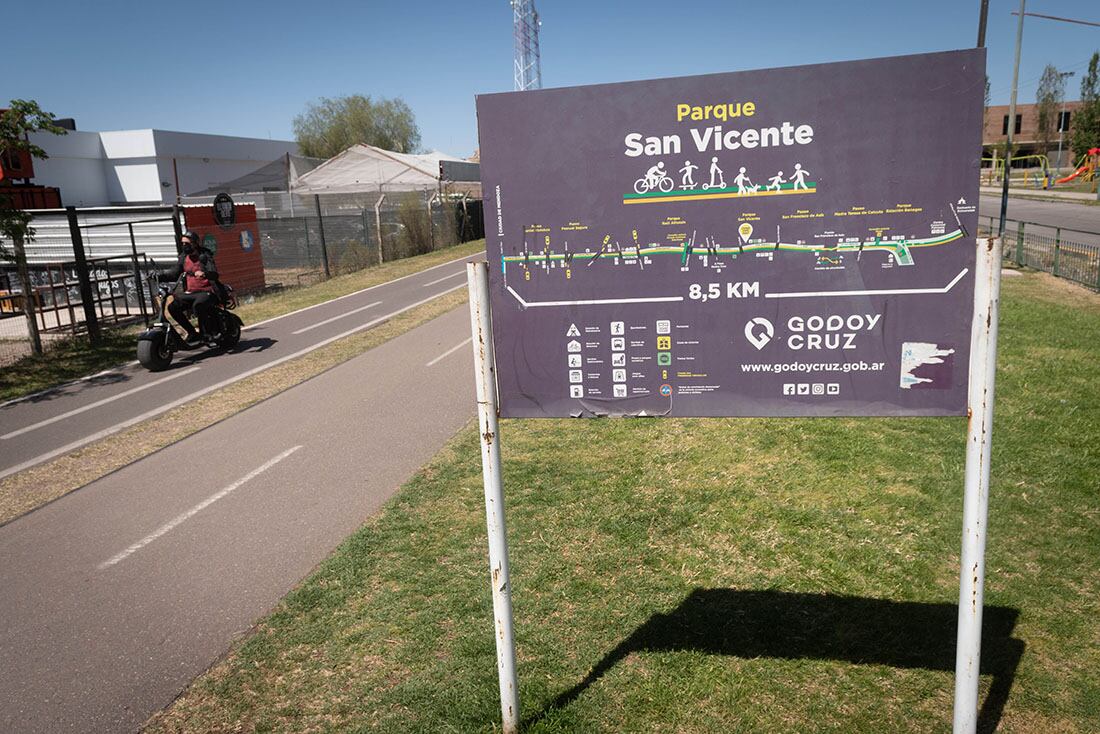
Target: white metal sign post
<point x="983" y="369"/>
<point x="477" y="279"/>
<point x="975" y="498"/>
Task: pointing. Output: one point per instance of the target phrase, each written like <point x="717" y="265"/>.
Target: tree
<point x="1049" y="96"/>
<point x="1086" y="122"/>
<point x="331" y="126"/>
<point x="21" y="118"/>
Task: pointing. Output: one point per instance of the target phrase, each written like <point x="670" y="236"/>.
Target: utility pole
<point x="982" y="18"/>
<point x="1011" y="121"/>
<point x="1063" y="75"/>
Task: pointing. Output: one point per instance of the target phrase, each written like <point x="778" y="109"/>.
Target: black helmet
<point x="193" y="236"/>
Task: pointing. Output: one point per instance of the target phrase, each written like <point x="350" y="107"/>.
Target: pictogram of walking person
<point x="744" y="185"/>
<point x="799" y="177"/>
<point x="715" y="173"/>
<point x="688" y="182"/>
<point x="775" y="182"/>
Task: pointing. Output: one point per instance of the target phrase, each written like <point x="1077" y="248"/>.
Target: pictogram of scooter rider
<point x="198" y="293"/>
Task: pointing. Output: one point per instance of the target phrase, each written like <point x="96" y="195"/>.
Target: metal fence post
<point x="91" y="320"/>
<point x="366" y="235"/>
<point x="1020" y="243"/>
<point x="1057" y="248"/>
<point x="477" y="279"/>
<point x="29" y="305"/>
<point x="139" y="282"/>
<point x="431" y="227"/>
<point x="321" y="231"/>
<point x="378" y="224"/>
<point x="178" y="228"/>
<point x="983" y="370"/>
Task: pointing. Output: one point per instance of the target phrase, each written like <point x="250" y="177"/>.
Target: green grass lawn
<point x="73" y="358"/>
<point x="765" y="575"/>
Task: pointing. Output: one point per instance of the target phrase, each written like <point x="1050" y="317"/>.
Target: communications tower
<point x="525" y="37"/>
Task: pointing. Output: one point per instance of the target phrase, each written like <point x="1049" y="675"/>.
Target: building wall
<point x="1027" y="140"/>
<point x="136" y="166"/>
<point x="75" y="165"/>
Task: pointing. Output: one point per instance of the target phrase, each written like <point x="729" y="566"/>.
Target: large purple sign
<point x="794" y="241"/>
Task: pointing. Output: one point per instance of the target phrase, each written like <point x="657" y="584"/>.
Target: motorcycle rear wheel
<point x="154" y="356"/>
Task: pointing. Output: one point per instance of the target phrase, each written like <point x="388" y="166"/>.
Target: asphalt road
<point x="117" y="595"/>
<point x="1051" y="214"/>
<point x="48" y="424"/>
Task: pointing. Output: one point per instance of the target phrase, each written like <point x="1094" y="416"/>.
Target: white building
<point x="146" y="166"/>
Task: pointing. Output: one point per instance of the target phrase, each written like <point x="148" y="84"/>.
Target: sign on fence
<point x="795" y="241"/>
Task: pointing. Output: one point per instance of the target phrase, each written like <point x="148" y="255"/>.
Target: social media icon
<point x="803" y="388"/>
<point x="576" y="391"/>
<point x="664" y="326"/>
<point x="818" y="388"/>
<point x="833" y="388"/>
<point x="788" y="388"/>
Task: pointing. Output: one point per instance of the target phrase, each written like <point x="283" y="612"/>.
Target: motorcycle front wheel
<point x="154" y="355"/>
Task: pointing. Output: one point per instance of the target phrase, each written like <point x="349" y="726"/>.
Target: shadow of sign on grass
<point x="777" y="624"/>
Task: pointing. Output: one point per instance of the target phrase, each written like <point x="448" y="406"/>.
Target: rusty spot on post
<point x="488" y="436"/>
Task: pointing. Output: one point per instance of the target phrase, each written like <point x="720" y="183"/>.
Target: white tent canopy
<point x="364" y="168"/>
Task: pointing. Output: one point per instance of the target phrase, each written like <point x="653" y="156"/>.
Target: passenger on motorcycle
<point x="199" y="292"/>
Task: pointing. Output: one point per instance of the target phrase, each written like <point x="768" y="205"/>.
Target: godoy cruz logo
<point x="759" y="331"/>
<point x="815" y="332"/>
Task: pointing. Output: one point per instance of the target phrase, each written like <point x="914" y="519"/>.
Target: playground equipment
<point x="1033" y="170"/>
<point x="1086" y="167"/>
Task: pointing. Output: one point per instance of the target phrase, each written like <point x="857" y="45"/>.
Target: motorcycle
<point x="157" y="344"/>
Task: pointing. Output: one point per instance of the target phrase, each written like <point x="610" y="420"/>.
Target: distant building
<point x="1025" y="134"/>
<point x="122" y="167"/>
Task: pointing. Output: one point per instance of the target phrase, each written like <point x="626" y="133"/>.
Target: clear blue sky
<point x="246" y="68"/>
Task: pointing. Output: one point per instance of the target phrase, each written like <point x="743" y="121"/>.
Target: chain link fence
<point x="303" y="239"/>
<point x="311" y="237"/>
<point x="70" y="292"/>
<point x="1072" y="254"/>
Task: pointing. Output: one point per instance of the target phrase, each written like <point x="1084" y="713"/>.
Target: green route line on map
<point x="898" y="248"/>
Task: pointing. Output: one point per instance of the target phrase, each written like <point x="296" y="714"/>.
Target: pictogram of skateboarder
<point x="688" y="182"/>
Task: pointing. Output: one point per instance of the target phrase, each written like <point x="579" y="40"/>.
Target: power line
<point x="1064" y="20"/>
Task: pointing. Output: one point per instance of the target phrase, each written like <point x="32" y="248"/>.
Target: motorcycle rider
<point x="199" y="291"/>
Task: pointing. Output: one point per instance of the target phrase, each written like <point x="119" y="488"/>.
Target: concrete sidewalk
<point x="1052" y="194"/>
<point x="117" y="595"/>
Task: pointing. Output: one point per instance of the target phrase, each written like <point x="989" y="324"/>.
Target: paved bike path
<point x="117" y="595"/>
<point x="49" y="424"/>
